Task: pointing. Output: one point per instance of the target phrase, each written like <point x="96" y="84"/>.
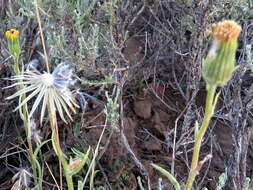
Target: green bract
<point x="219" y="67"/>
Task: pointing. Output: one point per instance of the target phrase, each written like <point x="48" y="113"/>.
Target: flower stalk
<point x="51" y="91"/>
<point x="14" y="48"/>
<point x="72" y="167"/>
<point x="211" y="101"/>
<point x="217" y="71"/>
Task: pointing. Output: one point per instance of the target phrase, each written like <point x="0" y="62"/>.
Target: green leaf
<point x="75" y="170"/>
<point x="170" y="177"/>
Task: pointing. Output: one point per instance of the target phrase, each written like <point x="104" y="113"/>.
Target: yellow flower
<point x="14" y="47"/>
<point x="219" y="64"/>
<point x="12" y="34"/>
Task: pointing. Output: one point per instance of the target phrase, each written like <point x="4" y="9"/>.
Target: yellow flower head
<point x="226" y="30"/>
<point x="12" y="34"/>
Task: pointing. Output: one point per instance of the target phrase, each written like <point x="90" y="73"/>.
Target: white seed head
<point x="47" y="88"/>
<point x="47" y="79"/>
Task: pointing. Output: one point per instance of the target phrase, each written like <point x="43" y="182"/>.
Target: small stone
<point x="153" y="145"/>
<point x="143" y="109"/>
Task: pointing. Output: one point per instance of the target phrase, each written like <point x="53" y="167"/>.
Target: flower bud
<point x="75" y="165"/>
<point x="219" y="64"/>
<point x="14" y="47"/>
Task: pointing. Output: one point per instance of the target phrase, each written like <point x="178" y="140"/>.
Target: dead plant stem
<point x="41" y="34"/>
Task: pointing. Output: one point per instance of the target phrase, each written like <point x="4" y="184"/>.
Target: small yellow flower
<point x="12" y="34"/>
<point x="14" y="47"/>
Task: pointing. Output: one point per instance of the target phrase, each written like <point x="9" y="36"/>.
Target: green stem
<point x="209" y="109"/>
<point x="16" y="66"/>
<point x="27" y="123"/>
<point x="70" y="182"/>
<point x="57" y="146"/>
<point x="33" y="161"/>
<point x="24" y="115"/>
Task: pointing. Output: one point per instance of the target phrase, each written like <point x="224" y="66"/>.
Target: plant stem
<point x="70" y="182"/>
<point x="57" y="146"/>
<point x="30" y="152"/>
<point x="41" y="34"/>
<point x="24" y="116"/>
<point x="209" y="109"/>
